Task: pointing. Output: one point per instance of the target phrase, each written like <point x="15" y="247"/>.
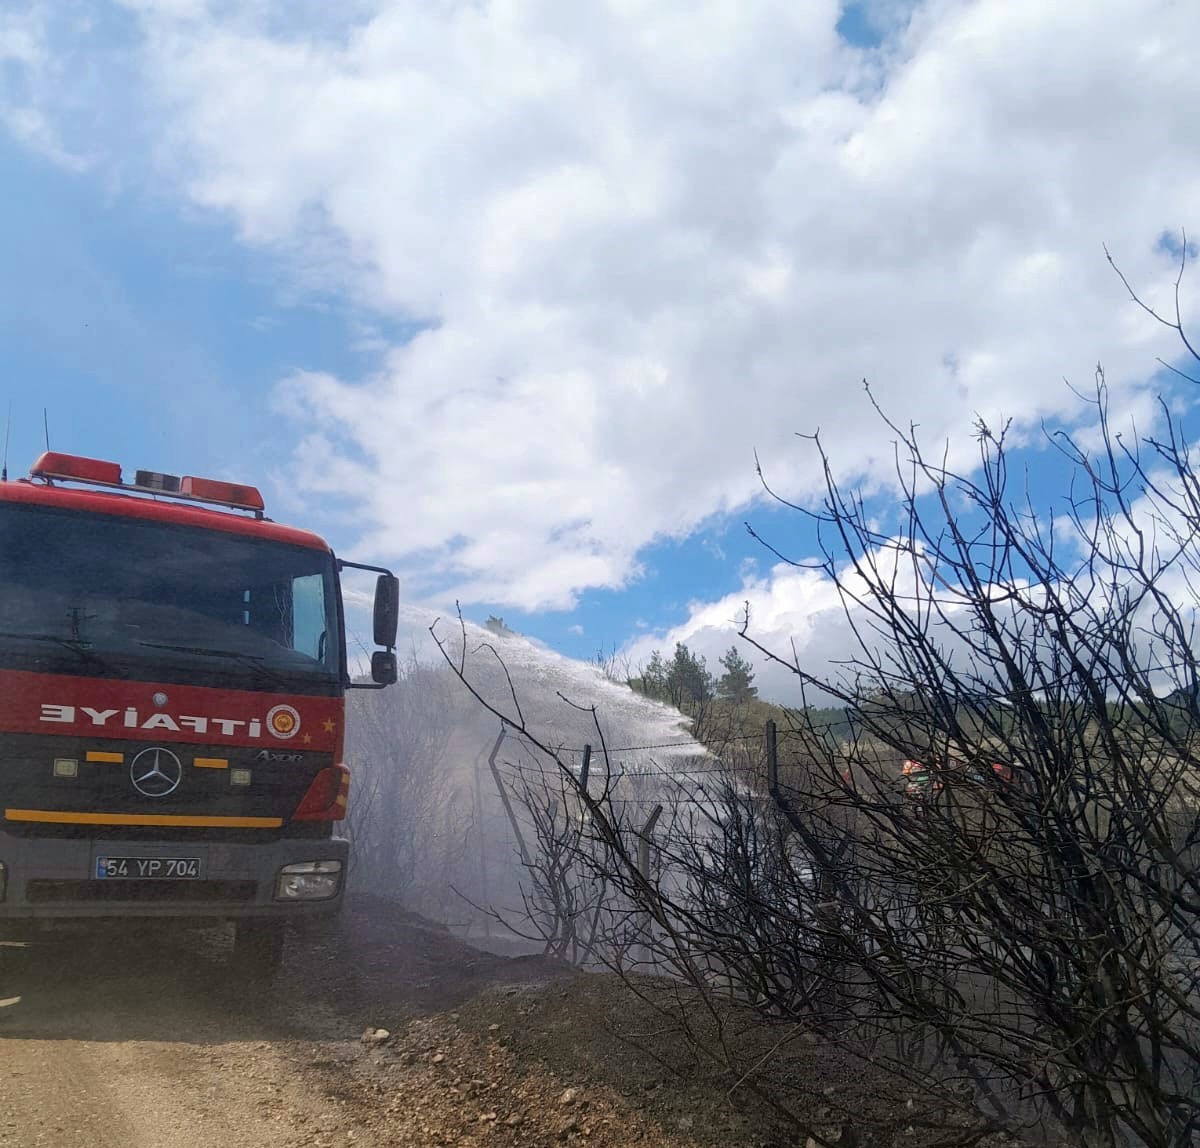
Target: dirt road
<point x="132" y="1039"/>
<point x="128" y="1039"/>
<point x="140" y="1041"/>
<point x="136" y="1039"/>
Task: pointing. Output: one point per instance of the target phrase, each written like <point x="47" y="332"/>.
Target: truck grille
<point x="43" y="891"/>
<point x="105" y="787"/>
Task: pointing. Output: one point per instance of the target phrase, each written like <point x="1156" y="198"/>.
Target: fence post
<point x="583" y="769"/>
<point x="826" y="911"/>
<point x="481" y="829"/>
<point x="643" y="863"/>
<point x="781" y="803"/>
<point x="526" y="860"/>
<point x="772" y="760"/>
<point x="644" y="842"/>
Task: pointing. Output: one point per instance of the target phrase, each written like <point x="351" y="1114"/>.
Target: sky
<point x="515" y="296"/>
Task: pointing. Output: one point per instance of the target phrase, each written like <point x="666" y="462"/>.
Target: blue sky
<point x="511" y="299"/>
<point x="156" y="341"/>
<point x="150" y="338"/>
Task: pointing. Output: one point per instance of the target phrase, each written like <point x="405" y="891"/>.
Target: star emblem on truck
<point x="156" y="772"/>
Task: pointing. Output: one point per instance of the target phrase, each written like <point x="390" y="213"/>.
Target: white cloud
<point x="28" y="75"/>
<point x="796" y="614"/>
<point x="803" y="618"/>
<point x="799" y="614"/>
<point x="649" y="238"/>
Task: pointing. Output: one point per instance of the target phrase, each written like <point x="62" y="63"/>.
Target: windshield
<point x="93" y="590"/>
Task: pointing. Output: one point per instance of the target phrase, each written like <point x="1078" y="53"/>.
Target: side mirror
<point x="387" y="612"/>
<point x="383" y="668"/>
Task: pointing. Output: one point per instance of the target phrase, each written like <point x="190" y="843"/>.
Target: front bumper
<point x="54" y="878"/>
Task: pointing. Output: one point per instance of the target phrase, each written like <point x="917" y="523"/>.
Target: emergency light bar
<point x="53" y="466"/>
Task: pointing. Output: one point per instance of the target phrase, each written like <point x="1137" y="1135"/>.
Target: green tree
<point x="688" y="679"/>
<point x="654" y="677"/>
<point x="736" y="684"/>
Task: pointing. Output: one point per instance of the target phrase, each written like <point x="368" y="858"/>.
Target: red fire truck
<point x="172" y="679"/>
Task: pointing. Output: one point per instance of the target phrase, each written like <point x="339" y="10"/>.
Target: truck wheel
<point x="258" y="947"/>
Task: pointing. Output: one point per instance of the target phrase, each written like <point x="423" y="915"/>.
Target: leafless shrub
<point x="1027" y="910"/>
<point x="1012" y="928"/>
<point x="567" y="905"/>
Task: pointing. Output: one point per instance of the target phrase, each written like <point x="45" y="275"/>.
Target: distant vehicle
<point x="172" y="714"/>
<point x="921" y="782"/>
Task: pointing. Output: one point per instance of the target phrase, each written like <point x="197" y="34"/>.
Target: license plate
<point x="148" y="869"/>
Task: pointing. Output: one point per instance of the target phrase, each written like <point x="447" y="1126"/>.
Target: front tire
<point x="258" y="948"/>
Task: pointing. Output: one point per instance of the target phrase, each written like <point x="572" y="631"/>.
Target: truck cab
<point x="173" y="670"/>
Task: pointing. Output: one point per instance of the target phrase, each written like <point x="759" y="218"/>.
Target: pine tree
<point x="736" y="683"/>
<point x="688" y="679"/>
<point x="654" y="677"/>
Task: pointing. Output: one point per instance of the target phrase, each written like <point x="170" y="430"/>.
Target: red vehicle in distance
<point x="921" y="782"/>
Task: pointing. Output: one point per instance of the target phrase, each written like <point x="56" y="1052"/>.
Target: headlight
<point x="309" y="881"/>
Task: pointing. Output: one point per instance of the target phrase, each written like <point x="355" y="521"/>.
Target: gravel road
<point x="133" y="1040"/>
<point x="119" y="1037"/>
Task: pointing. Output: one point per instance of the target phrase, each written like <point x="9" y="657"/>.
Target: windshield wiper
<point x="254" y="661"/>
<point x="76" y="646"/>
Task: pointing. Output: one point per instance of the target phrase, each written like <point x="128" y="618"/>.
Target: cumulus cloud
<point x="795" y="613"/>
<point x="645" y="239"/>
<point x="1127" y="576"/>
<point x="29" y="74"/>
<point x="804" y="617"/>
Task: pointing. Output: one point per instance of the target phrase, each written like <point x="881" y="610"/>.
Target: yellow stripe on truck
<point x="62" y="817"/>
<point x="211" y="762"/>
<point x="101" y="755"/>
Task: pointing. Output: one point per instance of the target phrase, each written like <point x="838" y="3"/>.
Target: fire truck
<point x="173" y="672"/>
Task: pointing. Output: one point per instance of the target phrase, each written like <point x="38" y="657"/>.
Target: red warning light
<point x="53" y="466"/>
<point x="76" y="468"/>
<point x="226" y="493"/>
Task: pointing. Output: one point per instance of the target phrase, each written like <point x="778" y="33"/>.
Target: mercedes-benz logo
<point x="156" y="772"/>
